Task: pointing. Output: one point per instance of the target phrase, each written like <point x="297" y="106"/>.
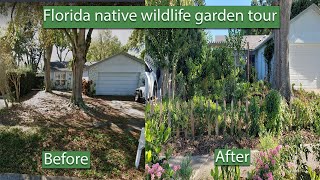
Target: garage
<point x="116" y="83"/>
<point x="119" y="75"/>
<point x="304" y="62"/>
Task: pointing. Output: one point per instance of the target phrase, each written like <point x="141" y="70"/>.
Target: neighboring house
<point x="120" y="74"/>
<point x="304" y="50"/>
<point x="60" y="75"/>
<point x="252" y="40"/>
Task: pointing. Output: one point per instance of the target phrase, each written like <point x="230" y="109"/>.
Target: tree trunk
<point x="276" y="61"/>
<point x="77" y="70"/>
<point x="47" y="59"/>
<point x="280" y="73"/>
<point x="285" y="88"/>
<point x="79" y="59"/>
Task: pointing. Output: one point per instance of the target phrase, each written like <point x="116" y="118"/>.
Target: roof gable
<point x="313" y="7"/>
<point x="122" y="53"/>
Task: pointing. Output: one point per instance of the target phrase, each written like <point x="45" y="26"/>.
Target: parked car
<point x="150" y="89"/>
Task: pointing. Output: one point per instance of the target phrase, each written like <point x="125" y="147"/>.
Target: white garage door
<point x="117" y="83"/>
<point x="305" y="65"/>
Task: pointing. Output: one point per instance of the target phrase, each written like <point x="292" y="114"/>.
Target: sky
<point x="124" y="34"/>
<point x="214" y="32"/>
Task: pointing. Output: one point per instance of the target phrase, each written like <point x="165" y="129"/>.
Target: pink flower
<point x="147" y="167"/>
<point x="290" y="165"/>
<point x="176" y="168"/>
<point x="270" y="176"/>
<point x="257" y="177"/>
<point x="278" y="148"/>
<point x="273" y="162"/>
<point x="155" y="171"/>
<point x="266" y="166"/>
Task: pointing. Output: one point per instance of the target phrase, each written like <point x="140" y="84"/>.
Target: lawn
<point x="109" y="129"/>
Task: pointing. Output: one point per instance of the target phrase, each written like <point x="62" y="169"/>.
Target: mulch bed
<point x="202" y="145"/>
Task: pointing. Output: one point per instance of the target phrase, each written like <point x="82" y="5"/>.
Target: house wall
<point x="305" y="29"/>
<point x="260" y="63"/>
<point x="120" y="63"/>
<point x="67" y="86"/>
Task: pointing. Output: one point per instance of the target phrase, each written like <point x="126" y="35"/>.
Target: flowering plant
<point x="156" y="171"/>
<point x="270" y="165"/>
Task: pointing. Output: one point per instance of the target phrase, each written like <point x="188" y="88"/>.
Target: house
<point x="251" y="42"/>
<point x="304" y="50"/>
<point x="120" y="74"/>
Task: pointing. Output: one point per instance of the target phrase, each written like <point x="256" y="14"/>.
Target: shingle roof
<point x="59" y="66"/>
<point x="254" y="40"/>
<point x="64" y="66"/>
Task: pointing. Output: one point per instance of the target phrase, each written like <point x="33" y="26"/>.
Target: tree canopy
<point x="103" y="46"/>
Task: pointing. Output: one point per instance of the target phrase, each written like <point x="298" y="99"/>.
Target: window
<point x="60" y="78"/>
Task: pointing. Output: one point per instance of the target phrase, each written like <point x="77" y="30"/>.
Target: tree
<point x="61" y="44"/>
<point x="5" y="62"/>
<point x="136" y="42"/>
<point x="80" y="43"/>
<point x="299" y="5"/>
<point x="105" y="45"/>
<point x="170" y="46"/>
<point x="281" y="51"/>
<point x="258" y="31"/>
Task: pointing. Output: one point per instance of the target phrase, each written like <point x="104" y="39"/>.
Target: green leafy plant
<point x="156" y="131"/>
<point x="313" y="174"/>
<point x="273" y="109"/>
<point x="267" y="141"/>
<point x="185" y="171"/>
<point x="226" y="173"/>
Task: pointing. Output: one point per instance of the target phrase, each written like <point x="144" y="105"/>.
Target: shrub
<point x="87" y="87"/>
<point x="23" y="77"/>
<point x="273" y="109"/>
<point x="303" y="114"/>
<point x="271" y="165"/>
<point x="255" y="124"/>
<point x="267" y="141"/>
<point x="185" y="171"/>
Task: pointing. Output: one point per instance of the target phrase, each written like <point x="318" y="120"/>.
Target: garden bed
<point x="203" y="145"/>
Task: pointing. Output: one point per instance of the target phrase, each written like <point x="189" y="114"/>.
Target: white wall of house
<point x="304" y="49"/>
<point x="85" y="74"/>
<point x="118" y="75"/>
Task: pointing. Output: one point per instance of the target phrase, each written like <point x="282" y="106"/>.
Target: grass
<point x="112" y="154"/>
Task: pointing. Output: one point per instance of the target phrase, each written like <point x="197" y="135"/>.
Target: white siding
<point x="119" y="75"/>
<point x="305" y="28"/>
<point x="304" y="62"/>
